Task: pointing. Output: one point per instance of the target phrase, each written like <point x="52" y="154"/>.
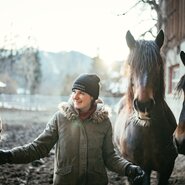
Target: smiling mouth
<point x="77" y="102"/>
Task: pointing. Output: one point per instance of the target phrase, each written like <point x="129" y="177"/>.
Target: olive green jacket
<point x="83" y="148"/>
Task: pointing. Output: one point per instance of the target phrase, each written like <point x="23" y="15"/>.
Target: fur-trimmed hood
<point x="68" y="110"/>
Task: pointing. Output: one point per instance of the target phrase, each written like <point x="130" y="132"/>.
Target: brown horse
<point x="180" y="130"/>
<point x="144" y="128"/>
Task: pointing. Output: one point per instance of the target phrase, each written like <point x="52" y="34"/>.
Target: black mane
<point x="181" y="84"/>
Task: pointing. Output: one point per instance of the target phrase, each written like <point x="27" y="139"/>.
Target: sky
<point x="89" y="26"/>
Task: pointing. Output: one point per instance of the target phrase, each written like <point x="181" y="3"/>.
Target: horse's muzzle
<point x="144" y="108"/>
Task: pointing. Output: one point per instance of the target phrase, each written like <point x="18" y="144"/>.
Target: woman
<point x="82" y="133"/>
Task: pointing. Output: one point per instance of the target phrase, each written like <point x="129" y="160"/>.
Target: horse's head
<point x="181" y="84"/>
<point x="146" y="76"/>
<point x="180" y="130"/>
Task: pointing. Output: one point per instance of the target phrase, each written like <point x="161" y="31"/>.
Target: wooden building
<point x="174" y="22"/>
<point x="174" y="28"/>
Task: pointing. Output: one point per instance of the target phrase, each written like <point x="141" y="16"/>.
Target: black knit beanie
<point x="88" y="83"/>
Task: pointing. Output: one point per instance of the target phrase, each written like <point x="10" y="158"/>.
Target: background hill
<point x="59" y="70"/>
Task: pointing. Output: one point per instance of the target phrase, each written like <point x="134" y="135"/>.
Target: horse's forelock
<point x="144" y="57"/>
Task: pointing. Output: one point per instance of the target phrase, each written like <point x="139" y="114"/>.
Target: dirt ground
<point x="21" y="127"/>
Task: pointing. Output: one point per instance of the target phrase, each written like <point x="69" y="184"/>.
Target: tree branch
<point x="130" y="8"/>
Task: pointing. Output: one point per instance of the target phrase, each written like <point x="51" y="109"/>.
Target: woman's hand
<point x="135" y="174"/>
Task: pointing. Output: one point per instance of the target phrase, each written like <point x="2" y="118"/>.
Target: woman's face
<point x="81" y="100"/>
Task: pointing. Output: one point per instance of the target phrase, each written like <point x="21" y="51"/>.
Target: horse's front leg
<point x="164" y="176"/>
<point x="146" y="180"/>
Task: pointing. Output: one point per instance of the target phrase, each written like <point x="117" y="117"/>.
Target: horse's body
<point x="144" y="128"/>
<point x="180" y="130"/>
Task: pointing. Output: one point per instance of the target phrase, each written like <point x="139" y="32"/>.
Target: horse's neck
<point x="164" y="109"/>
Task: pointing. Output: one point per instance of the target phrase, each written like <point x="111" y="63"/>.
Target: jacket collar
<point x="67" y="109"/>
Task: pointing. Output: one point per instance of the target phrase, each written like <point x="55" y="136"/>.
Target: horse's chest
<point x="144" y="145"/>
<point x="138" y="138"/>
<point x="143" y="137"/>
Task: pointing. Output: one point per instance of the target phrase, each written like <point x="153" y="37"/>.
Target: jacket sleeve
<point x="112" y="159"/>
<point x="40" y="147"/>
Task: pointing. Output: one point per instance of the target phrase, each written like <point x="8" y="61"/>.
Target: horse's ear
<point x="130" y="40"/>
<point x="182" y="55"/>
<point x="160" y="39"/>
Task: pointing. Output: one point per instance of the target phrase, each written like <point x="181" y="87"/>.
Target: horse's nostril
<point x="143" y="106"/>
<point x="149" y="105"/>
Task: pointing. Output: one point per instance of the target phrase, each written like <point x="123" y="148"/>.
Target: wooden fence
<point x="44" y="103"/>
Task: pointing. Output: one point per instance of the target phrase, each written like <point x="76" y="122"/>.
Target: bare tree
<point x="155" y="5"/>
<point x="28" y="72"/>
<point x="20" y="64"/>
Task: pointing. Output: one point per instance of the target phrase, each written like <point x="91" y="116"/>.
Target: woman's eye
<point x="82" y="93"/>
